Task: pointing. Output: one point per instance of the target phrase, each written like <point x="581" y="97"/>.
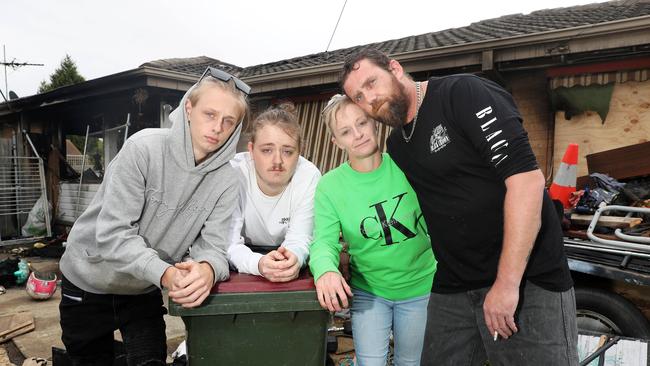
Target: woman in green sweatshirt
<point x="369" y="201"/>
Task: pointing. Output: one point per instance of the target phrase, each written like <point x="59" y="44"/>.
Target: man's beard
<point x="397" y="107"/>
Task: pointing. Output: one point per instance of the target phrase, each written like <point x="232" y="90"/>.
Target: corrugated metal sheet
<point x="317" y="140"/>
<point x="600" y="78"/>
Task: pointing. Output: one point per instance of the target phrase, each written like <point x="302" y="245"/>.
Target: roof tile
<point x="490" y="29"/>
<point x="502" y="27"/>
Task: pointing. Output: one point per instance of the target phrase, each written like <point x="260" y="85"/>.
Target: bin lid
<point x="240" y="282"/>
<point x="247" y="294"/>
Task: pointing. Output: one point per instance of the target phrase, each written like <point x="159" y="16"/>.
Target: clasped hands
<point x="189" y="283"/>
<point x="279" y="265"/>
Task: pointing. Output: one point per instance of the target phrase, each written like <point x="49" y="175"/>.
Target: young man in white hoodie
<point x="272" y="226"/>
<point x="166" y="192"/>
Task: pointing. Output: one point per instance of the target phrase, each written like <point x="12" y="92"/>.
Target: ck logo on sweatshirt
<point x="491" y="132"/>
<point x="284" y="221"/>
<point x="389" y="223"/>
<point x="439" y="138"/>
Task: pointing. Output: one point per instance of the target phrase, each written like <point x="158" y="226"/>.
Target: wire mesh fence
<point x="22" y="183"/>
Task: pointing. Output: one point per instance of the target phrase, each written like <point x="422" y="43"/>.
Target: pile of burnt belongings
<point x="610" y="191"/>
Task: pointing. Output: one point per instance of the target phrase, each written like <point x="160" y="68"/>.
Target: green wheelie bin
<point x="250" y="321"/>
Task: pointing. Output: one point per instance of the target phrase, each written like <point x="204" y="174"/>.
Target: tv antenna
<point x="14" y="65"/>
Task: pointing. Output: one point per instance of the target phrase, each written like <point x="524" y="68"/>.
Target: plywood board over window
<point x="627" y="123"/>
<point x="531" y="96"/>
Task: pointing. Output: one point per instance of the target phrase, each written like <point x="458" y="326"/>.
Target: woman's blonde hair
<point x="283" y="116"/>
<point x="227" y="86"/>
<point x="335" y="104"/>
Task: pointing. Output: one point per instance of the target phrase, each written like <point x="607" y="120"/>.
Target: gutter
<point x="583" y="31"/>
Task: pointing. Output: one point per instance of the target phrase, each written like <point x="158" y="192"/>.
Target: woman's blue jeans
<point x="373" y="317"/>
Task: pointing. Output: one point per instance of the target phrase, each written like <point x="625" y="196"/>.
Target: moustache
<point x="377" y="105"/>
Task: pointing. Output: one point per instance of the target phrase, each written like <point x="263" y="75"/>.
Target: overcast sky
<point x="106" y="37"/>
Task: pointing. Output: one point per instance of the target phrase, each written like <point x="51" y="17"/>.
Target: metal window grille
<point x="22" y="183"/>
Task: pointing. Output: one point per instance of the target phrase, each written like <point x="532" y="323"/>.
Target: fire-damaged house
<point x="578" y="74"/>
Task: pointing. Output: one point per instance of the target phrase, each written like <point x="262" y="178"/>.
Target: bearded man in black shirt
<point x="502" y="291"/>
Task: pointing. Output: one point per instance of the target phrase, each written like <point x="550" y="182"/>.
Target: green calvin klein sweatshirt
<point x="380" y="219"/>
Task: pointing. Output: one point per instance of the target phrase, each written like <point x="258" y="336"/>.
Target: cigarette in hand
<point x="496" y="335"/>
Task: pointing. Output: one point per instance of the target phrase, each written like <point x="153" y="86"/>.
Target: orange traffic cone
<point x="565" y="179"/>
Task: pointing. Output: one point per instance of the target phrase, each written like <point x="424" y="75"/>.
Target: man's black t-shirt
<point x="468" y="139"/>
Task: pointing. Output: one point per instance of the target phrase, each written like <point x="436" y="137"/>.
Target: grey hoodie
<point x="153" y="205"/>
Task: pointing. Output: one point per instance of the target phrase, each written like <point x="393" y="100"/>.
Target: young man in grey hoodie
<point x="166" y="192"/>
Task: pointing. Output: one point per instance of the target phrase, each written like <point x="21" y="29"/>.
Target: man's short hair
<point x="373" y="55"/>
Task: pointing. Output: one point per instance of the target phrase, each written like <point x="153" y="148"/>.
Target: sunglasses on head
<point x="225" y="77"/>
<point x="336" y="98"/>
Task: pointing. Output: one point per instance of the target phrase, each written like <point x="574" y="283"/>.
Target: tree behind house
<point x="65" y="74"/>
